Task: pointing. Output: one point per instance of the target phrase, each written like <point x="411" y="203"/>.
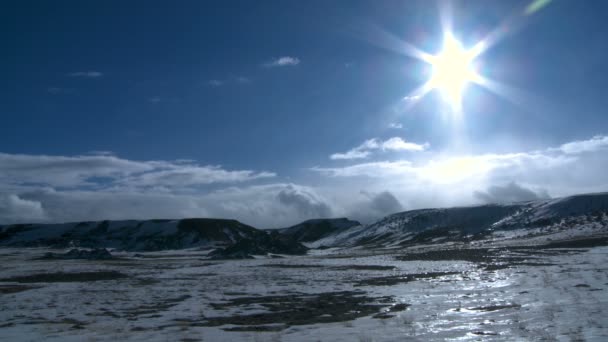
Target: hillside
<point x="557" y="218"/>
<point x="315" y="229"/>
<point x="149" y="235"/>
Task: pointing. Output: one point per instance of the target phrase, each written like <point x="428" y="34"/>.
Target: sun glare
<point x="452" y="70"/>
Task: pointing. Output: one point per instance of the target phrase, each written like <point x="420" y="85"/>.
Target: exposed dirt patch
<point x="75" y="324"/>
<point x="7" y="289"/>
<point x="495" y="307"/>
<point x="490" y="259"/>
<point x="290" y="266"/>
<point x="146" y="282"/>
<point x="398" y="279"/>
<point x="364" y="268"/>
<point x="259" y="328"/>
<point x="473" y="255"/>
<point x="579" y="243"/>
<point x="235" y="293"/>
<point x="61" y="277"/>
<point x="169" y="256"/>
<point x="300" y="309"/>
<point x="338" y="268"/>
<point x="104" y="312"/>
<point x="536" y="251"/>
<point x="538" y="264"/>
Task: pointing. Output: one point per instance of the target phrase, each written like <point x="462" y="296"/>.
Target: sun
<point x="452" y="70"/>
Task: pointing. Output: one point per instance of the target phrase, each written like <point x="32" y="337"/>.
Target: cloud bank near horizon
<point x="40" y="188"/>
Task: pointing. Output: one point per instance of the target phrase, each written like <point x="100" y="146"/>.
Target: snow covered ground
<point x="329" y="295"/>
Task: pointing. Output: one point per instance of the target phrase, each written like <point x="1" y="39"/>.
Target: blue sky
<point x="273" y="112"/>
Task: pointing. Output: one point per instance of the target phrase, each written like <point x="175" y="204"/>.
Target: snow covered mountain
<point x="132" y="234"/>
<point x="558" y="218"/>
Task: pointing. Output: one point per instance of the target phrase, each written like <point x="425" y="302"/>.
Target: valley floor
<point x="511" y="294"/>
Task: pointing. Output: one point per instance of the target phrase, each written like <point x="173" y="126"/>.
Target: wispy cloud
<point x="282" y="61"/>
<point x="86" y="74"/>
<point x="411" y="98"/>
<point x="359" y="152"/>
<point x="594" y="144"/>
<point x="367" y="147"/>
<point x="395" y="125"/>
<point x="242" y="80"/>
<point x="215" y="83"/>
<point x="239" y="80"/>
<point x="352" y="154"/>
<point x="104" y="170"/>
<point x="509" y="193"/>
<point x="181" y="175"/>
<point x="379" y="169"/>
<point x="398" y="144"/>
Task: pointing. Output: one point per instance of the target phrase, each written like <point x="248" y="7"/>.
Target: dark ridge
<point x="312" y="230"/>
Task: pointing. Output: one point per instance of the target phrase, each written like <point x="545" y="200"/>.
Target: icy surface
<point x="168" y="296"/>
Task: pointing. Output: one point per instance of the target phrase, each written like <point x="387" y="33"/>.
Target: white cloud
<point x="96" y="187"/>
<point x="102" y="186"/>
<point x="398" y="144"/>
<point x="395" y="125"/>
<point x="509" y="193"/>
<point x="448" y="180"/>
<point x="263" y="206"/>
<point x="306" y="202"/>
<point x="370" y="206"/>
<point x="367" y="147"/>
<point x="106" y="170"/>
<point x="359" y="152"/>
<point x="352" y="154"/>
<point x="15" y="209"/>
<point x="86" y="74"/>
<point x="283" y="61"/>
<point x="180" y="175"/>
<point x="594" y="144"/>
<point x="379" y="169"/>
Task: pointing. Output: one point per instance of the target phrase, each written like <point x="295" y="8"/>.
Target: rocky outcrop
<point x="95" y="254"/>
<point x="271" y="243"/>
